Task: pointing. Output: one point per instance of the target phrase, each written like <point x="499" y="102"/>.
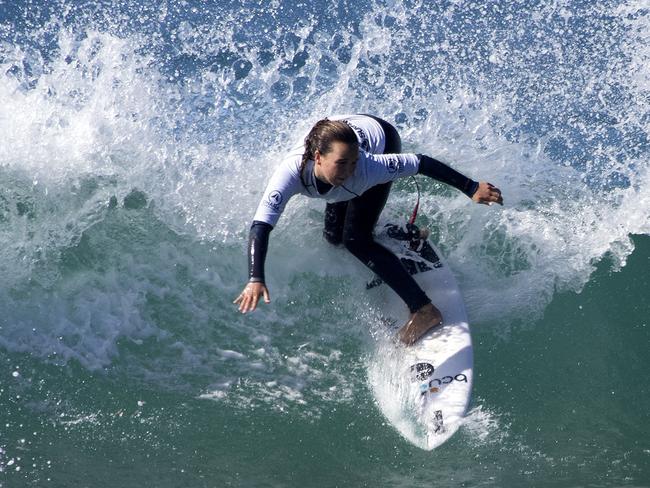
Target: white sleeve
<point x="382" y="168"/>
<point x="284" y="183"/>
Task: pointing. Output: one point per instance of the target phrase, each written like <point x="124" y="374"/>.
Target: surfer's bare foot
<point x="419" y="324"/>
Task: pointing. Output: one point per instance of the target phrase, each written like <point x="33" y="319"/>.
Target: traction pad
<point x="414" y="242"/>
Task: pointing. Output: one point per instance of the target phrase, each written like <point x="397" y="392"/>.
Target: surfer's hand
<point x="248" y="298"/>
<point x="487" y="194"/>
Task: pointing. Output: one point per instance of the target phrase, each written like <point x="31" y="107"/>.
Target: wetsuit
<point x="353" y="207"/>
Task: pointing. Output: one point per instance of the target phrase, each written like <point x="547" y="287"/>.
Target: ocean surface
<point x="136" y="138"/>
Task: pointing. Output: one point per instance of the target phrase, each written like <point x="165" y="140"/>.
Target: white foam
<point x="229" y="354"/>
<point x="96" y="117"/>
<point x="300" y="383"/>
<point x="485" y="427"/>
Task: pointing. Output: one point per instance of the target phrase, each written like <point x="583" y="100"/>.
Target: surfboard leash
<point x="417" y="203"/>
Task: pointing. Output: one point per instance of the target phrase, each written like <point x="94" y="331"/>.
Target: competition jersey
<point x="373" y="168"/>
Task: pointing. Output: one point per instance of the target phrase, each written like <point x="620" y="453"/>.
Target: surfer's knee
<point x="334" y="222"/>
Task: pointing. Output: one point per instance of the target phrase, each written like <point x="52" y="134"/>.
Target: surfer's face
<point x="338" y="164"/>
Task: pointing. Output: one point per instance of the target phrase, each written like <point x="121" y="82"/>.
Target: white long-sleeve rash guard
<point x="372" y="169"/>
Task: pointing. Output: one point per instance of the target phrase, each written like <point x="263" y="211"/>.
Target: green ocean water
<point x="136" y="139"/>
<point x="560" y="401"/>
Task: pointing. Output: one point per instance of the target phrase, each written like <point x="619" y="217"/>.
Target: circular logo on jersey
<point x="275" y="198"/>
<point x="392" y="165"/>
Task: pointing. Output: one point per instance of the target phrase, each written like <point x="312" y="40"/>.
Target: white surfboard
<point x="424" y="389"/>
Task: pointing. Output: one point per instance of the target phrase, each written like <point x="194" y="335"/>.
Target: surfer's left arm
<point x="480" y="192"/>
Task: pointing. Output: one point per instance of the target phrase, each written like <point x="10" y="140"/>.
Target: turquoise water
<point x="136" y="140"/>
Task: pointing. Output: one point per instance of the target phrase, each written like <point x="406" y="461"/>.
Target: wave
<point x="137" y="143"/>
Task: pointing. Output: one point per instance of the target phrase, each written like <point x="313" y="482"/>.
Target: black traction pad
<point x="411" y="233"/>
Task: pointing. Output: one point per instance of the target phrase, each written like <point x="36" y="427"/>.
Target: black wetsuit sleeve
<point x="258" y="244"/>
<point x="440" y="171"/>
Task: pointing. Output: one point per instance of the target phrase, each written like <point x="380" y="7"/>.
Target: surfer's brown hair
<point x="320" y="138"/>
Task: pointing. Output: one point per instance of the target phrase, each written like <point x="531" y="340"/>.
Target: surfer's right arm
<point x="258" y="242"/>
<point x="282" y="186"/>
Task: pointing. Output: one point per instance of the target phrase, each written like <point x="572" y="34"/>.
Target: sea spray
<point x="136" y="143"/>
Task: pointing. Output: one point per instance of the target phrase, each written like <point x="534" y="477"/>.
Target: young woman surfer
<point x="351" y="161"/>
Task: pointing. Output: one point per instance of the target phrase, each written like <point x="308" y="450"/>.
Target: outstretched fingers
<point x="250" y="297"/>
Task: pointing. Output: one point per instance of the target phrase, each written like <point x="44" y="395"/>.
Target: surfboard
<point x="424" y="390"/>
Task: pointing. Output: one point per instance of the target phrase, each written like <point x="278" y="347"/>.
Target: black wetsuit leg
<point x="334" y="220"/>
<point x="352" y="223"/>
<point x="360" y="219"/>
<point x="335" y="212"/>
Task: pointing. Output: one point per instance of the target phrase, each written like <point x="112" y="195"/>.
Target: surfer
<point x="351" y="161"/>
